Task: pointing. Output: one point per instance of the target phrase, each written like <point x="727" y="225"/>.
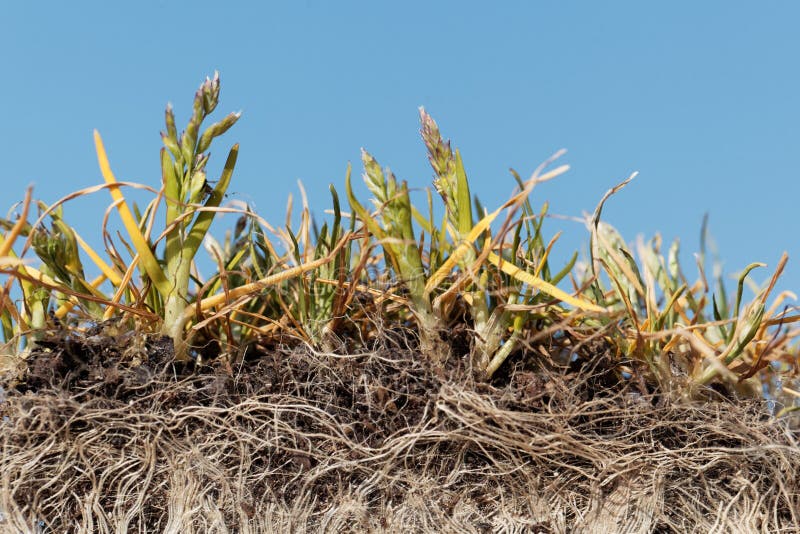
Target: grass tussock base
<point x="296" y="440"/>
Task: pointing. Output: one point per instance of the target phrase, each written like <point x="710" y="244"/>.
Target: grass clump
<point x="355" y="355"/>
<point x="474" y="268"/>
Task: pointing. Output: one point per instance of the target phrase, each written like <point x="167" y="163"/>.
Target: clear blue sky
<point x="703" y="98"/>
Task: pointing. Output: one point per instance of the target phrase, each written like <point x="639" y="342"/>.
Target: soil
<point x="106" y="433"/>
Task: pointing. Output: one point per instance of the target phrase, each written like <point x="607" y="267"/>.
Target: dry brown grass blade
<point x="595" y="220"/>
<point x="45" y="281"/>
<point x="379" y="293"/>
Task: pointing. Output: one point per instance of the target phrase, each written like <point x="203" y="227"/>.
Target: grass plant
<point x="436" y="341"/>
<point x="445" y="265"/>
<point x="683" y="333"/>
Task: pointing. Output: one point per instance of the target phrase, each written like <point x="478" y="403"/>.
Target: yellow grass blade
<point x="459" y="253"/>
<point x="8" y="241"/>
<point x="543" y="260"/>
<point x="39" y="276"/>
<point x="105" y="268"/>
<point x="121" y="288"/>
<point x="264" y="283"/>
<point x="147" y="259"/>
<point x="543" y="286"/>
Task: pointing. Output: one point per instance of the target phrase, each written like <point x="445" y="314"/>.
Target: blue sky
<point x="702" y="98"/>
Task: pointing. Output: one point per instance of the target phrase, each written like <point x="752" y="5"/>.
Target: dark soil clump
<point x="106" y="433"/>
